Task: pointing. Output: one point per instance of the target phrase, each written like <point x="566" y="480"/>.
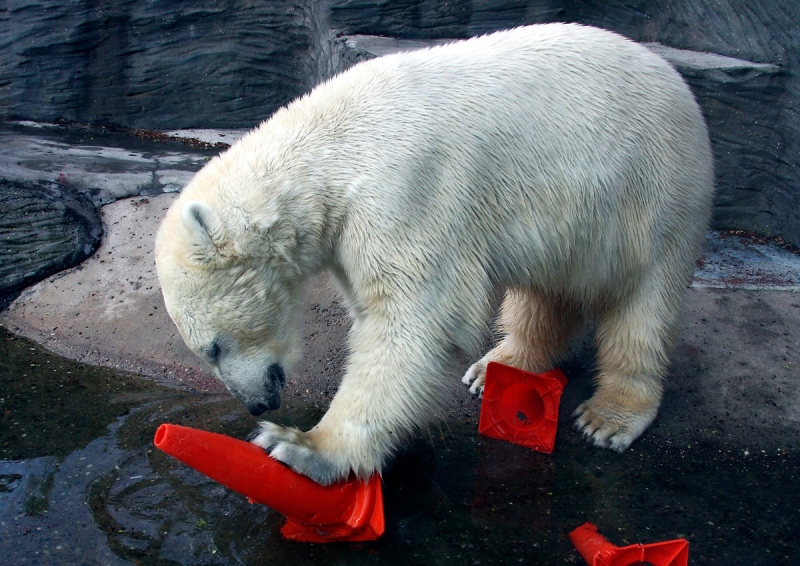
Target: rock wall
<point x="165" y="65"/>
<point x="157" y="64"/>
<point x="44" y="228"/>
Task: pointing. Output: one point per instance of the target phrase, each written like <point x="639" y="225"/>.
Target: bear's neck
<point x="296" y="199"/>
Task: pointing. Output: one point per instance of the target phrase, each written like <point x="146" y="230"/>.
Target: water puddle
<point x="80" y="483"/>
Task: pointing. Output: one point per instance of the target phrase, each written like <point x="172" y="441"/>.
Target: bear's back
<point x="555" y="103"/>
<point x="557" y="146"/>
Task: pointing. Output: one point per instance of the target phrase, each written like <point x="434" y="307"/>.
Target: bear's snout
<point x="257" y="407"/>
<point x="262" y="394"/>
<point x="276" y="379"/>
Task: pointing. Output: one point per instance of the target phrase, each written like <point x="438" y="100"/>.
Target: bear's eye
<point x="213" y="352"/>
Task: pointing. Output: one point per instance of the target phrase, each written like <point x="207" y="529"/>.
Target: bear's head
<point x="234" y="293"/>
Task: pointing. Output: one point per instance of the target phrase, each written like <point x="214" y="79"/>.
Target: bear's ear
<point x="205" y="230"/>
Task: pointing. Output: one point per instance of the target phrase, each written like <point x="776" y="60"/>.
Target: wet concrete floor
<point x="81" y="483"/>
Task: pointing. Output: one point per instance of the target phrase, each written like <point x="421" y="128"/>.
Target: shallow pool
<point x="81" y="483"/>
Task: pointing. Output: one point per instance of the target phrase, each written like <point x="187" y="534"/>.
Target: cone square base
<point x="521" y="407"/>
<point x="597" y="551"/>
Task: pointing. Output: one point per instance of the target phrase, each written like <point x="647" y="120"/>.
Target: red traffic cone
<point x="347" y="511"/>
<point x="597" y="551"/>
<point x="521" y="407"/>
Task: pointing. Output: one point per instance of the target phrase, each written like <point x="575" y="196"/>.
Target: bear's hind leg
<point x="536" y="327"/>
<point x="633" y="344"/>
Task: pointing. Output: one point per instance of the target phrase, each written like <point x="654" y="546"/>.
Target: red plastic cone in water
<point x="597" y="551"/>
<point x="521" y="407"/>
<point x="347" y="511"/>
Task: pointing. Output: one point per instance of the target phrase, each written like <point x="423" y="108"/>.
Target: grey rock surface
<point x="735" y="373"/>
<point x="103" y="165"/>
<point x="109" y="311"/>
<point x="45" y="227"/>
<point x="54" y="178"/>
<point x="741" y="261"/>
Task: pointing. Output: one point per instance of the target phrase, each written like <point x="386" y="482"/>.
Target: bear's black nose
<point x="256" y="408"/>
<point x="276" y="374"/>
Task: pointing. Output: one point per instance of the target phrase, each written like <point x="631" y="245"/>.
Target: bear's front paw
<point x="609" y="424"/>
<point x="476" y="377"/>
<point x="295" y="448"/>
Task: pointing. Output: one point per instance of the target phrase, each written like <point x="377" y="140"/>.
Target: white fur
<point x="562" y="163"/>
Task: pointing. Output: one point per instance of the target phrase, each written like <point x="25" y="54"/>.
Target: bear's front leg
<point x="389" y="389"/>
<point x="314" y="454"/>
<point x="295" y="448"/>
<point x="343" y="442"/>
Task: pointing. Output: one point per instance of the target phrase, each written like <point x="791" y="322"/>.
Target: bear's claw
<point x="609" y="425"/>
<point x="295" y="449"/>
<point x="476" y="378"/>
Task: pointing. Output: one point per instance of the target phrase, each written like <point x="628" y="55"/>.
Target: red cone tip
<point x="346" y="511"/>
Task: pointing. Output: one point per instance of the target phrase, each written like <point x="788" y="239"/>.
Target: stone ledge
<point x="684" y="60"/>
<point x="379" y="45"/>
<point x="690" y="62"/>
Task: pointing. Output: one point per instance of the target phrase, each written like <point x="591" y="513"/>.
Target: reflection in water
<point x="50" y="406"/>
<point x="81" y="483"/>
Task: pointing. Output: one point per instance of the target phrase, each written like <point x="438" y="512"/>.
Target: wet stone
<point x="45" y="227"/>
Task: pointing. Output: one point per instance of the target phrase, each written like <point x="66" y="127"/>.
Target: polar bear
<point x="562" y="165"/>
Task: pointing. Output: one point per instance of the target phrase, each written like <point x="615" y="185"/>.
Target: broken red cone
<point x="521" y="407"/>
<point x="346" y="511"/>
<point x="597" y="551"/>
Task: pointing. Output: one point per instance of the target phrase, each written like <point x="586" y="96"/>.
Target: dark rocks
<point x="44" y="228"/>
<point x="431" y="19"/>
<point x="52" y="181"/>
<point x="162" y="64"/>
<point x="175" y="65"/>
